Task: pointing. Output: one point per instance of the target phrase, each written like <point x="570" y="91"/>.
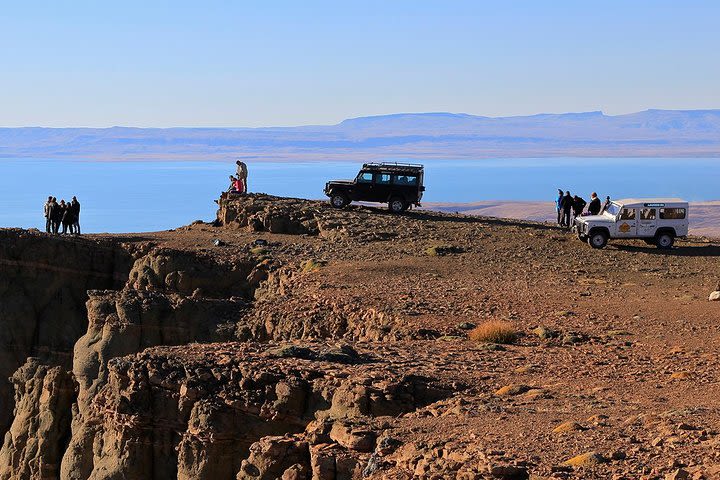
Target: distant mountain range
<point x="666" y="133"/>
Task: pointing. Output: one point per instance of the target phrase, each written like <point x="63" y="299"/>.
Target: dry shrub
<point x="312" y="265"/>
<point x="494" y="331"/>
<point x="442" y="250"/>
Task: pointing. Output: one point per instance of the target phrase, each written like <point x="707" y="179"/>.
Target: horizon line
<point x="598" y="113"/>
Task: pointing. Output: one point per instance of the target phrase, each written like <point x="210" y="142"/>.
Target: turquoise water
<point x="148" y="196"/>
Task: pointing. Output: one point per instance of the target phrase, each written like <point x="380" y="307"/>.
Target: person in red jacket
<point x="236" y="186"/>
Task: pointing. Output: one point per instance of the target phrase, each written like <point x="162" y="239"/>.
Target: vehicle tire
<point x="597" y="239"/>
<point x="397" y="205"/>
<point x="665" y="240"/>
<point x="338" y="200"/>
<point x="582" y="238"/>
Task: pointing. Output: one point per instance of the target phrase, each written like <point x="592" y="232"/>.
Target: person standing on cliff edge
<point x="567" y="206"/>
<point x="242" y="174"/>
<point x="75" y="221"/>
<point x="55" y="215"/>
<point x="47" y="209"/>
<point x="558" y="207"/>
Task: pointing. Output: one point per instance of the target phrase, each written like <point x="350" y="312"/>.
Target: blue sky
<point x="259" y="63"/>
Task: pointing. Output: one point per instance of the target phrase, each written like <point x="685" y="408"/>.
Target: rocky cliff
<point x="195" y="412"/>
<point x="43" y="285"/>
<point x="35" y="443"/>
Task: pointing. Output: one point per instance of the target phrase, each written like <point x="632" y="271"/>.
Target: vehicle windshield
<point x="364" y="177"/>
<point x="613" y="209"/>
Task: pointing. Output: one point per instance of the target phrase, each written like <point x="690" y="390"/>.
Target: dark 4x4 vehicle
<point x="400" y="185"/>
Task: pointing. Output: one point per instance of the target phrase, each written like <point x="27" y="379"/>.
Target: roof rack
<point x="394" y="165"/>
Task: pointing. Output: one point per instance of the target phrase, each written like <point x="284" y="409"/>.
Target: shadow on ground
<point x="677" y="251"/>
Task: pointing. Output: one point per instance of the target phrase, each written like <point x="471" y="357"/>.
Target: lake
<point x="159" y="195"/>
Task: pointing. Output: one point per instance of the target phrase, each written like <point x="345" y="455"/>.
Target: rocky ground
<point x="290" y="340"/>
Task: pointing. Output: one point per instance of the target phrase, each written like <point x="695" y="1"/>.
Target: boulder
<point x="568" y="427"/>
<point x="276" y="457"/>
<point x="510" y="390"/>
<point x="588" y="459"/>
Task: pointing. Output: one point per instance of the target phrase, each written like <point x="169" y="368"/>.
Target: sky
<point x="276" y="63"/>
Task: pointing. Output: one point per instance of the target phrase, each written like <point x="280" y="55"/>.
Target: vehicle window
<point x="382" y="178"/>
<point x="405" y="180"/>
<point x="672" y="213"/>
<point x="627" y="214"/>
<point x="365" y="177"/>
<point x="613" y="209"/>
<point x="647" y="214"/>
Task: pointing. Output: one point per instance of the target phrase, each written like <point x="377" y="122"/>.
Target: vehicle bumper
<point x="579" y="227"/>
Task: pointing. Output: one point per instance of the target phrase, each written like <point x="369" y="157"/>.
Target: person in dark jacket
<point x="75" y="221"/>
<point x="594" y="206"/>
<point x="578" y="205"/>
<point x="66" y="218"/>
<point x="606" y="204"/>
<point x="567" y="206"/>
<point x="56" y="216"/>
<point x="558" y="201"/>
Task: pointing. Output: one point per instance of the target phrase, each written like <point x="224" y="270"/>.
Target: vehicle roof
<point x="640" y="202"/>
<point x="395" y="167"/>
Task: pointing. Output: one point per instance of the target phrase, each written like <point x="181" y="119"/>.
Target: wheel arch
<point x="662" y="230"/>
<point x="595" y="230"/>
<point x="399" y="195"/>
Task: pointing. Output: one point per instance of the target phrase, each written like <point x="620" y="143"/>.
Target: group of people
<point x="65" y="214"/>
<point x="238" y="184"/>
<point x="568" y="207"/>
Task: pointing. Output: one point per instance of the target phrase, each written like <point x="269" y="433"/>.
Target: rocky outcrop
<point x="43" y="285"/>
<point x="266" y="213"/>
<point x="37" y="438"/>
<point x="259" y="212"/>
<point x="171" y="298"/>
<point x="127" y="322"/>
<point x="282" y="311"/>
<point x="318" y="319"/>
<point x="274" y="457"/>
<point x="187" y="273"/>
<point x="195" y="412"/>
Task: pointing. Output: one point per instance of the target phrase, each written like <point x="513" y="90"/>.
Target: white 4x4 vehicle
<point x="658" y="221"/>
